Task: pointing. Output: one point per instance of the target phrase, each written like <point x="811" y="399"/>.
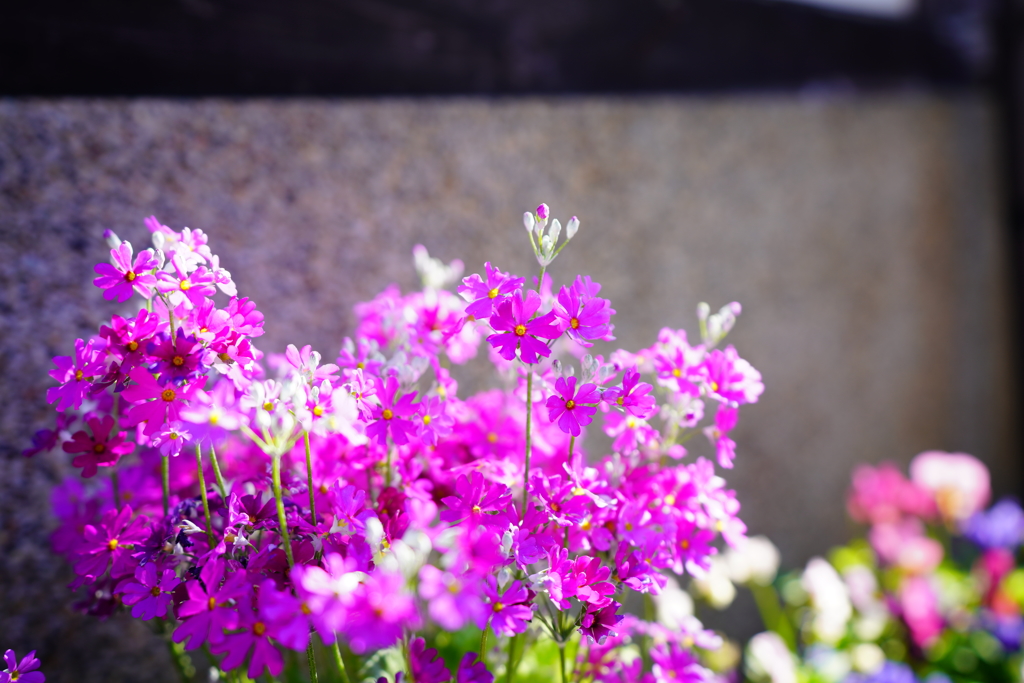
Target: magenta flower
<point x="453" y="600"/>
<point x="518" y="329"/>
<point x="882" y="494"/>
<point x="121" y="278"/>
<point x="434" y="420"/>
<point x="98" y="450"/>
<point x="171" y="438"/>
<point x="286" y="620"/>
<point x="47" y="439"/>
<point x="570" y="407"/>
<point x="693" y="549"/>
<point x="732" y="379"/>
<point x="381" y="610"/>
<point x="583" y="578"/>
<point x="390" y="415"/>
<point x="110" y="544"/>
<point x="583" y="315"/>
<point x="483" y="294"/>
<point x="208" y="612"/>
<point x="127" y="338"/>
<point x="511" y="612"/>
<point x="75" y="374"/>
<point x="149" y="594"/>
<point x="244" y="317"/>
<point x="677" y="363"/>
<point x="307" y="363"/>
<point x="166" y="404"/>
<point x="23" y="671"/>
<point x="597" y="624"/>
<point x="475" y="498"/>
<point x="473" y="671"/>
<point x="186" y="290"/>
<point x="674" y="664"/>
<point x="424" y="664"/>
<point x="175" y="360"/>
<point x="327" y="593"/>
<point x="725" y="448"/>
<point x="255" y="638"/>
<point x="633" y="396"/>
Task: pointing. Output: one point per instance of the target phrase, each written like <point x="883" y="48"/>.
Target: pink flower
<point x="725" y="448"/>
<point x="483" y="294"/>
<point x="208" y="612"/>
<point x="98" y="450"/>
<point x="453" y="600"/>
<point x="598" y="623"/>
<point x="155" y="404"/>
<point x="583" y="315"/>
<point x="255" y="638"/>
<point x="381" y="609"/>
<point x="121" y="278"/>
<point x="475" y="498"/>
<point x="959" y="482"/>
<point x="109" y="544"/>
<point x="570" y="408"/>
<point x="677" y="363"/>
<point x="186" y="290"/>
<point x="731" y="379"/>
<point x="149" y="594"/>
<point x="391" y="415"/>
<point x="920" y="608"/>
<point x="75" y="374"/>
<point x="518" y="330"/>
<point x="171" y="438"/>
<point x="434" y="422"/>
<point x="633" y="396"/>
<point x="511" y="612"/>
<point x="882" y="494"/>
<point x="424" y="664"/>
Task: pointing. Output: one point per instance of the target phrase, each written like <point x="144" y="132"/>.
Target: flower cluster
<point x="254" y="501"/>
<point x="935" y="592"/>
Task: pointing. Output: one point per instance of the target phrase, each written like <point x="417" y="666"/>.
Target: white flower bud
<point x="529" y="221"/>
<point x="703" y="310"/>
<point x="113" y="241"/>
<point x="554" y="231"/>
<point x="571" y="227"/>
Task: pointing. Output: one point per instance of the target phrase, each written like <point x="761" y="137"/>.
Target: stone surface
<point x="861" y="235"/>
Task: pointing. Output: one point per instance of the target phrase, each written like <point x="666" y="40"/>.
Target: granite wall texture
<point x="861" y="235"/>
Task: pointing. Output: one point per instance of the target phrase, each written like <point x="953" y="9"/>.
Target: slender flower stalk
<point x="221" y="488"/>
<point x="309" y="476"/>
<point x="202" y="491"/>
<point x="282" y="520"/>
<point x="165" y="481"/>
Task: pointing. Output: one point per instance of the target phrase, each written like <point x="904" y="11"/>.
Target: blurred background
<point x="849" y="170"/>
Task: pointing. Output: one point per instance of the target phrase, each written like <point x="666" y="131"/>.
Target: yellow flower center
<point x="360" y="365"/>
<point x="214" y="419"/>
<point x="305" y="609"/>
<point x="78" y="375"/>
<point x="174" y="436"/>
<point x="154" y="591"/>
<point x="620" y="400"/>
<point x="168" y="395"/>
<point x="684" y="544"/>
<point x="555" y="507"/>
<point x="476" y="509"/>
<point x="426" y="419"/>
<point x="714" y="386"/>
<point x="629" y="526"/>
<point x="259" y="628"/>
<point x="185" y="285"/>
<point x="129" y="276"/>
<point x="520" y="330"/>
<point x="133" y="345"/>
<point x="492" y="437"/>
<point x="670" y="499"/>
<point x="99" y="448"/>
<point x="498" y="606"/>
<point x="211" y="603"/>
<point x="570" y="404"/>
<point x="387" y="414"/>
<point x="493" y="293"/>
<point x="112" y="544"/>
<point x="676" y="372"/>
<point x="318" y="411"/>
<point x="268" y="406"/>
<point x="574" y="323"/>
<point x="177" y="361"/>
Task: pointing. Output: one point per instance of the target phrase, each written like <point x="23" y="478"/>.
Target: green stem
<point x="165" y="480"/>
<point x="275" y="470"/>
<point x="529" y="421"/>
<point x="206" y="503"/>
<point x="339" y="662"/>
<point x="309" y="477"/>
<point x="572" y="445"/>
<point x="181" y="661"/>
<point x="312" y="662"/>
<point x="561" y="661"/>
<point x="515" y="647"/>
<point x="218" y="476"/>
<point x="387" y="469"/>
<point x="483" y="645"/>
<point x="114" y="489"/>
<point x="771" y="613"/>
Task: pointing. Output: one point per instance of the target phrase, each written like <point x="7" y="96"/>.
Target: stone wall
<point x="861" y="235"/>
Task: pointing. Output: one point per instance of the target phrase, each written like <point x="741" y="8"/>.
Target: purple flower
<point x="381" y="609"/>
<point x="510" y="611"/>
<point x="732" y="379"/>
<point x="483" y="294"/>
<point x="286" y="619"/>
<point x="327" y="593"/>
<point x="474" y="498"/>
<point x="254" y="637"/>
<point x="208" y="612"/>
<point x="186" y="290"/>
<point x="110" y="544"/>
<point x="424" y="665"/>
<point x="633" y="396"/>
<point x="74" y="375"/>
<point x="518" y="329"/>
<point x="127" y="338"/>
<point x="582" y="314"/>
<point x="599" y="623"/>
<point x="98" y="450"/>
<point x="453" y="599"/>
<point x="677" y="363"/>
<point x="47" y="439"/>
<point x="176" y="360"/>
<point x="583" y="578"/>
<point x="1001" y="527"/>
<point x="150" y="593"/>
<point x="171" y="438"/>
<point x="434" y="420"/>
<point x="390" y="415"/>
<point x="725" y="448"/>
<point x="675" y="664"/>
<point x="470" y="672"/>
<point x="166" y="405"/>
<point x="121" y="278"/>
<point x="570" y="407"/>
<point x="23" y="671"/>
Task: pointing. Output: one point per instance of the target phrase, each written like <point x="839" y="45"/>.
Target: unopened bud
<point x="542" y="212"/>
<point x="529" y="221"/>
<point x="571" y="227"/>
<point x="703" y="310"/>
<point x="113" y="241"/>
<point x="555" y="231"/>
